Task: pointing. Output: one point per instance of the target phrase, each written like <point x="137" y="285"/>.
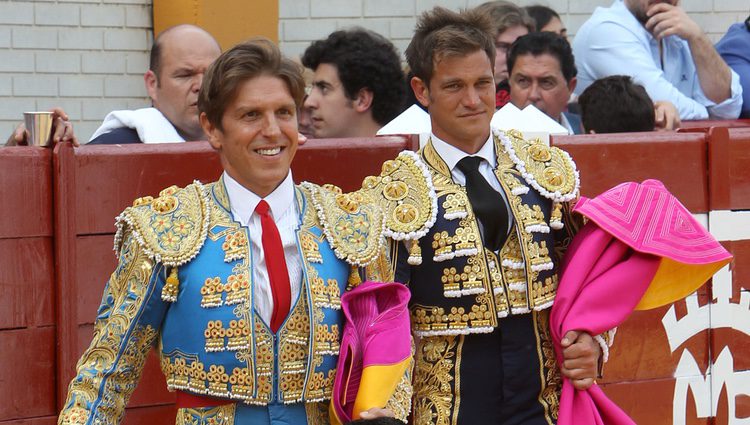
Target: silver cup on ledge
<point x="39" y="126"/>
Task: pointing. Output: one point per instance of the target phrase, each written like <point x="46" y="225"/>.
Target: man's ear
<point x="421" y="91"/>
<point x="152" y="83"/>
<point x="364" y="99"/>
<point x="572" y="84"/>
<point x="212" y="133"/>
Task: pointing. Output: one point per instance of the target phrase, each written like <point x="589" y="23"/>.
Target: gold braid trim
<point x="549" y="170"/>
<point x="171" y="228"/>
<point x="404" y="191"/>
<point x="352" y="222"/>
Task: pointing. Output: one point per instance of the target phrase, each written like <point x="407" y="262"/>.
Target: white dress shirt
<point x="284" y="212"/>
<point x="451" y="155"/>
<point x="613" y="42"/>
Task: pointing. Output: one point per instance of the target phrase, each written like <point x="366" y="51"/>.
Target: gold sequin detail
<point x="235" y="245"/>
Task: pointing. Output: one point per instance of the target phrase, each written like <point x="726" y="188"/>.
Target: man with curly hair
<point x="358" y="84"/>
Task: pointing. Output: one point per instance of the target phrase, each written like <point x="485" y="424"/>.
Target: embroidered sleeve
<point x="126" y="327"/>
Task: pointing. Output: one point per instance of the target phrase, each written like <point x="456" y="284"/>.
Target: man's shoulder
<point x="735" y="41"/>
<point x="574" y="120"/>
<point x="118" y="136"/>
<point x="171" y="227"/>
<point x="549" y="170"/>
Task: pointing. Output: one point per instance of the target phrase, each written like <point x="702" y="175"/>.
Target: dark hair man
<point x="179" y="58"/>
<point x="233" y="278"/>
<point x="358" y="84"/>
<point x="616" y="105"/>
<point x="543" y="74"/>
<point x="460" y="241"/>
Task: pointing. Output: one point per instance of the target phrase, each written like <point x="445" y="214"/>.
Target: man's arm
<point x="714" y="75"/>
<point x="612" y="49"/>
<point x="125" y="329"/>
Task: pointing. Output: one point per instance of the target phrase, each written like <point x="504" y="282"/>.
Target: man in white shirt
<point x="240" y="280"/>
<point x="664" y="50"/>
<point x="477" y="245"/>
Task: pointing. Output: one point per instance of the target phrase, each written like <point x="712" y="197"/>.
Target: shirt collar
<point x="565" y="123"/>
<point x="451" y="154"/>
<point x="243" y="201"/>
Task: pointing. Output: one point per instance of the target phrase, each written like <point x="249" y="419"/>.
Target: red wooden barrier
<point x="658" y="355"/>
<point x="704" y="125"/>
<point x="679" y="160"/>
<point x="27" y="333"/>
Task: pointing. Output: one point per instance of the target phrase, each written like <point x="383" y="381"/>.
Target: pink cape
<point x="375" y="348"/>
<point x="640" y="249"/>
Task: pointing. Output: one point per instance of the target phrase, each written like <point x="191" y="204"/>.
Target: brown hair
<point x="247" y="60"/>
<point x="441" y="32"/>
<point x="506" y="15"/>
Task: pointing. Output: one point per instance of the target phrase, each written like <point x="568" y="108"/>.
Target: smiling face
<point x="259" y="136"/>
<point x="186" y="53"/>
<point x="460" y="99"/>
<point x="539" y="81"/>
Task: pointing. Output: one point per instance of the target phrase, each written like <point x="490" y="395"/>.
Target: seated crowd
<point x="358" y="84"/>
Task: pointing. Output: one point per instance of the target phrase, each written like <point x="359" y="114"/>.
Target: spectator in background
<point x="179" y="58"/>
<point x="62" y="130"/>
<point x="616" y="105"/>
<point x="546" y="20"/>
<point x="734" y="47"/>
<point x="543" y="74"/>
<point x="662" y="49"/>
<point x="510" y="22"/>
<point x="358" y="85"/>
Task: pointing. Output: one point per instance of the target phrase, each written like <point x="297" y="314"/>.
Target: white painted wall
<point x="88" y="56"/>
<point x="302" y="21"/>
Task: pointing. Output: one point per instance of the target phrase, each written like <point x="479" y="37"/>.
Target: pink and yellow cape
<point x="640" y="249"/>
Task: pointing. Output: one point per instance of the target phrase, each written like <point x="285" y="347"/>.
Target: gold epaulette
<point x="352" y="222"/>
<point x="172" y="227"/>
<point x="549" y="170"/>
<point x="405" y="194"/>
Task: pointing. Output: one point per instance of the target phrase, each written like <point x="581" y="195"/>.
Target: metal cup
<point x="39" y="126"/>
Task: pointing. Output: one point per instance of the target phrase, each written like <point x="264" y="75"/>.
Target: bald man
<point x="179" y="58"/>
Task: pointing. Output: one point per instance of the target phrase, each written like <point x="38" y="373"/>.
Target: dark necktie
<point x="486" y="202"/>
<point x="278" y="275"/>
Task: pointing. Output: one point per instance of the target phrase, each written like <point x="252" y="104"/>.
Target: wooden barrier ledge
<point x="59" y="209"/>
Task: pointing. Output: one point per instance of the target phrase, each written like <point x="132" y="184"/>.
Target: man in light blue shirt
<point x="661" y="48"/>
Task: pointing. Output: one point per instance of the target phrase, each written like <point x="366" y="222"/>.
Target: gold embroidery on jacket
<point x="220" y="415"/>
<point x="435" y="390"/>
<point x="551" y="381"/>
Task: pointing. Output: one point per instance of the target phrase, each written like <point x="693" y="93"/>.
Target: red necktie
<point x="278" y="274"/>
